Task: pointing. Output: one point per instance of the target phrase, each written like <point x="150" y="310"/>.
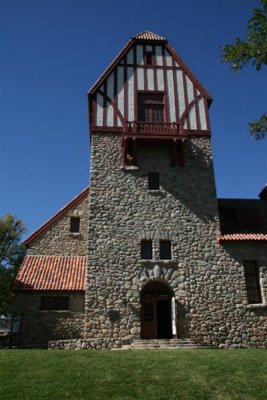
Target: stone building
<point x="165" y="258"/>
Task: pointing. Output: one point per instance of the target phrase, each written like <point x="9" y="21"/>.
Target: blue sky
<point x="55" y="50"/>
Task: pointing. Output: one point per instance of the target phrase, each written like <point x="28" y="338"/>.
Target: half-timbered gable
<point x="149" y="89"/>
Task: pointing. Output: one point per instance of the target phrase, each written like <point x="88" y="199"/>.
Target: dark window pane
<point x="149" y="57"/>
<point x="165" y="250"/>
<point x="55" y="303"/>
<point x="153" y="181"/>
<point x="150" y="108"/>
<point x="75" y="224"/>
<point x="252" y="282"/>
<point x="146" y="249"/>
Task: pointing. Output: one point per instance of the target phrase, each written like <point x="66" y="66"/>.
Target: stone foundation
<point x="88" y="344"/>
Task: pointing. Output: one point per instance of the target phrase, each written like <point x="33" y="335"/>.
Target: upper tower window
<point x="148" y="57"/>
<point x="150" y="108"/>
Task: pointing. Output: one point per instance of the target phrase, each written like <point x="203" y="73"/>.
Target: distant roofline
<point x="56" y="216"/>
<point x="236" y="237"/>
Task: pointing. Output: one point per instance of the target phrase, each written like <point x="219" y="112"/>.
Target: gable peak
<point x="147" y="35"/>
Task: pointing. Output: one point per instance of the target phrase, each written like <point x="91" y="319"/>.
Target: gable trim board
<point x="56" y="216"/>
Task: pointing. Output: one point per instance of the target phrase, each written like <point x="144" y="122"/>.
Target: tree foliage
<point x="252" y="50"/>
<point x="12" y="252"/>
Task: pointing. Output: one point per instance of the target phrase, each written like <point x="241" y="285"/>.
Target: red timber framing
<point x="149" y="65"/>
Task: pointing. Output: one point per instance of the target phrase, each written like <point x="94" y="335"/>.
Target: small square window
<point x="165" y="250"/>
<point x="146" y="249"/>
<point x="74" y="224"/>
<point x="153" y="181"/>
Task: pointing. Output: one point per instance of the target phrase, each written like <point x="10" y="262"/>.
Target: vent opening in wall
<point x="153" y="181"/>
<point x="146" y="249"/>
<point x="74" y="224"/>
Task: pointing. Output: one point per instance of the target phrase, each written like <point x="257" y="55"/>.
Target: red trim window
<point x="151" y="108"/>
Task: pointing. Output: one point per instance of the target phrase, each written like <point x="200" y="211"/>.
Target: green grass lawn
<point x="145" y="374"/>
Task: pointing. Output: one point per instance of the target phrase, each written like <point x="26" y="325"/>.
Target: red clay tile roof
<point x="52" y="273"/>
<point x="243" y="236"/>
<point x="55" y="217"/>
<point x="146" y="35"/>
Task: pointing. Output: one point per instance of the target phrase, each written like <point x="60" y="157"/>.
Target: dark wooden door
<point x="148" y="319"/>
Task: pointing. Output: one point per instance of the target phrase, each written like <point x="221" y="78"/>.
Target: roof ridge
<point x="148" y="35"/>
<point x="56" y="216"/>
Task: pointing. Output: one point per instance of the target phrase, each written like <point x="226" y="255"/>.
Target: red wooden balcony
<point x="152" y="128"/>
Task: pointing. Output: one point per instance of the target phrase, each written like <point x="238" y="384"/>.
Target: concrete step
<point x="141" y="344"/>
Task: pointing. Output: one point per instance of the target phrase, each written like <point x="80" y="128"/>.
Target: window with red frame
<point x="151" y="108"/>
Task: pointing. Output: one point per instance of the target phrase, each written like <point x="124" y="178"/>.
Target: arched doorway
<point x="156" y="311"/>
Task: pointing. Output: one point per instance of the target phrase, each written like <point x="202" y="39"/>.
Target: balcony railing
<point x="152" y="128"/>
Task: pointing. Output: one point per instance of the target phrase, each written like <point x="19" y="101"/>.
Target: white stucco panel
<point x="202" y="115"/>
<point x="120" y="93"/>
<point x="160" y="79"/>
<point x="158" y="51"/>
<point x="140" y="79"/>
<point x="150" y="79"/>
<point x="99" y="109"/>
<point x="110" y="93"/>
<point x="190" y="90"/>
<point x="139" y="54"/>
<point x="180" y="88"/>
<point x="130" y="77"/>
<point x="168" y="58"/>
<point x="192" y="118"/>
<point x="171" y="96"/>
<point x="130" y="58"/>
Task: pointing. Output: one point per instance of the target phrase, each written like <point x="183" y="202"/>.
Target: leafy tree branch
<point x="252" y="50"/>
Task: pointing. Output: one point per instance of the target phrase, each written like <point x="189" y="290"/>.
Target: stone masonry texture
<point x="207" y="278"/>
<point x="41" y="326"/>
<point x="58" y="240"/>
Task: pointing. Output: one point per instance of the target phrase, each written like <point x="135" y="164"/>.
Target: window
<point x="55" y="303"/>
<point x="252" y="282"/>
<point x="74" y="224"/>
<point x="146" y="249"/>
<point x="165" y="250"/>
<point x="153" y="181"/>
<point x="150" y="108"/>
<point x="149" y="57"/>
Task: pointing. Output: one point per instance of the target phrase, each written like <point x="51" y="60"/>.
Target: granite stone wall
<point x="207" y="278"/>
<point x="38" y="326"/>
<point x="58" y="240"/>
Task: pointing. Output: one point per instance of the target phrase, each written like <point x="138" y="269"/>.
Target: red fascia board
<point x="55" y="217"/>
<point x="113" y="64"/>
<point x="188" y="72"/>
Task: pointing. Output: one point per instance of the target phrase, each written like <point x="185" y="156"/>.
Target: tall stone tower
<point x="152" y="208"/>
